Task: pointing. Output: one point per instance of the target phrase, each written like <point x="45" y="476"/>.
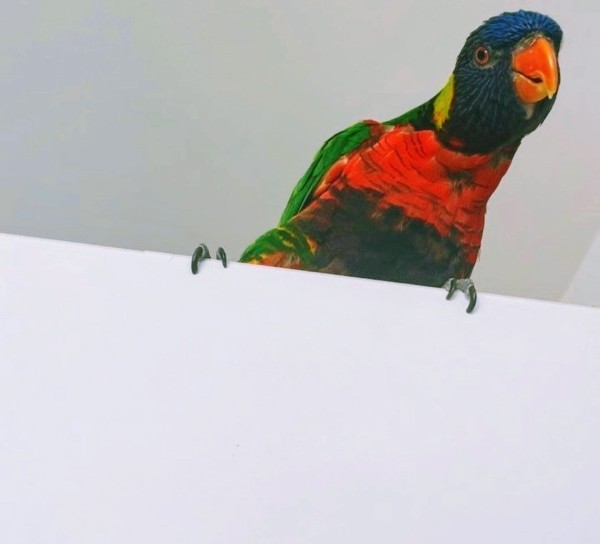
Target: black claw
<point x="466" y="286"/>
<point x="472" y="299"/>
<point x="200" y="254"/>
<point x="222" y="256"/>
<point x="451" y="289"/>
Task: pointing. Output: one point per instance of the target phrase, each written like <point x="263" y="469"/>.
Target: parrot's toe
<point x="222" y="256"/>
<point x="465" y="285"/>
<point x="202" y="253"/>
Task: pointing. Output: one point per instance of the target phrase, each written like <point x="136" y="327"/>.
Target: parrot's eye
<point x="482" y="55"/>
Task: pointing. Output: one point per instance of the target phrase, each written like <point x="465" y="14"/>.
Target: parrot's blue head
<point x="504" y="83"/>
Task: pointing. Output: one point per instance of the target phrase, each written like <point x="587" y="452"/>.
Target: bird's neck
<point x="457" y="127"/>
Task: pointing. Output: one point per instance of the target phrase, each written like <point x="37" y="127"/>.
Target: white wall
<point x="156" y="125"/>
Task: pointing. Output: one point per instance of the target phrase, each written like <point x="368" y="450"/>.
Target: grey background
<point x="157" y="125"/>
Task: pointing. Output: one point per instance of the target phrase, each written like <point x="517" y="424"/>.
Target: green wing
<point x="284" y="239"/>
<point x="337" y="146"/>
<point x="332" y="150"/>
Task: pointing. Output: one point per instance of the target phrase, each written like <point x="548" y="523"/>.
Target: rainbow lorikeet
<point x="405" y="200"/>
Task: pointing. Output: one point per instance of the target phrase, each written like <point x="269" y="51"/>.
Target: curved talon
<point x="222" y="256"/>
<point x="451" y="286"/>
<point x="467" y="286"/>
<point x="472" y="298"/>
<point x="200" y="254"/>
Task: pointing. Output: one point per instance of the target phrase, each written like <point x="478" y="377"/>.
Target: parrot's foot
<point x="465" y="285"/>
<point x="202" y="253"/>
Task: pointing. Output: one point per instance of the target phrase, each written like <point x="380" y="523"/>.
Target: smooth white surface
<point x="140" y="403"/>
<point x="585" y="287"/>
<point x="157" y="125"/>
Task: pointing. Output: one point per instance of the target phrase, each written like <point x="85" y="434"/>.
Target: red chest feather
<point x="411" y="170"/>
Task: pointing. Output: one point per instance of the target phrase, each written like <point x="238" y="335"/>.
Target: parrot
<point x="405" y="200"/>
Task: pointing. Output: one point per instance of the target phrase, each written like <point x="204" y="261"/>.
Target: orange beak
<point x="535" y="70"/>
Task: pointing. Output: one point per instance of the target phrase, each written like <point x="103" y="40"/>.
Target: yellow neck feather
<point x="442" y="103"/>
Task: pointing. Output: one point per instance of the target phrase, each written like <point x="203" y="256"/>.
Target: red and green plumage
<point x="405" y="200"/>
